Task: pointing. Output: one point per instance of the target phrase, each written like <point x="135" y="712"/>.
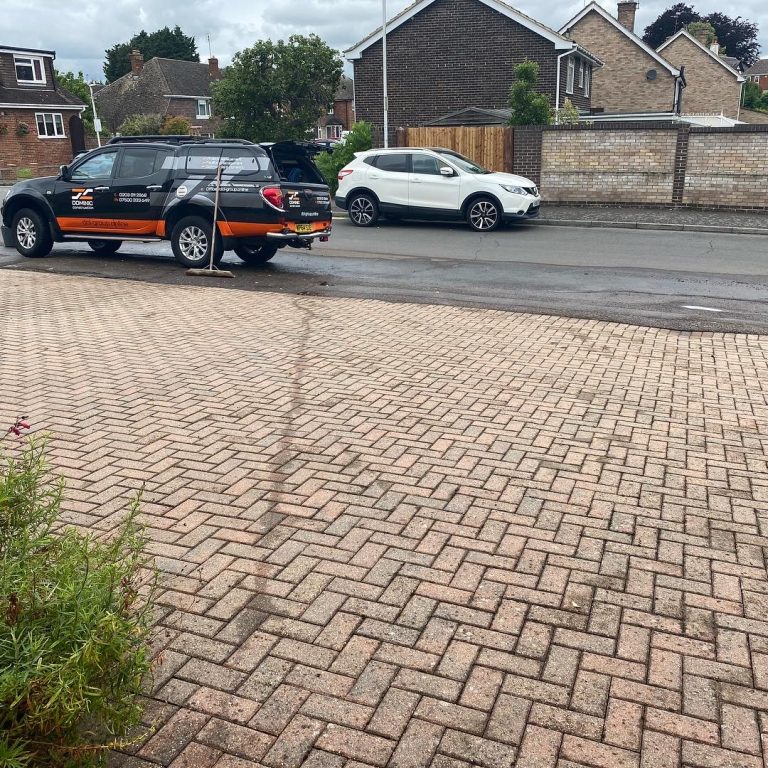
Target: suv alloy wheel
<point x="363" y="210"/>
<point x="483" y="214"/>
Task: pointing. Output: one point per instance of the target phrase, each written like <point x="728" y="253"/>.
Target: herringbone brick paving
<point x="402" y="536"/>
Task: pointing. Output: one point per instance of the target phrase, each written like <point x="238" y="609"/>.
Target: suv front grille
<point x="531" y="191"/>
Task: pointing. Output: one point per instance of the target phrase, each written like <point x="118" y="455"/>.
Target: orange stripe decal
<point x="107" y="226"/>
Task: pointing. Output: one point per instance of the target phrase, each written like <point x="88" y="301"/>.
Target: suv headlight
<point x="513" y="190"/>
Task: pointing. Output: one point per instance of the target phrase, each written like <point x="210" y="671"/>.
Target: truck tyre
<point x="105" y="247"/>
<point x="31" y="234"/>
<point x="191" y="242"/>
<point x="254" y="255"/>
<point x="363" y="210"/>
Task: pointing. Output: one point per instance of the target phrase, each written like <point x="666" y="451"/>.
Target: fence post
<point x="401" y="137"/>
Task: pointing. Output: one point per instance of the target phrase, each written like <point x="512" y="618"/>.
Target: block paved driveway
<point x="398" y="535"/>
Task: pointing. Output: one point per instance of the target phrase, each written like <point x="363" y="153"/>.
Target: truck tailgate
<point x="306" y="203"/>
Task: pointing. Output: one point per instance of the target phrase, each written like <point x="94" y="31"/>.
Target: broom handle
<point x="215" y="215"/>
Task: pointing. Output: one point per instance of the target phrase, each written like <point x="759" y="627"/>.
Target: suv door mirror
<point x="446" y="171"/>
<point x="64" y="172"/>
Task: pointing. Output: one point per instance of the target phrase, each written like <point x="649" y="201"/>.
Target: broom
<point x="212" y="270"/>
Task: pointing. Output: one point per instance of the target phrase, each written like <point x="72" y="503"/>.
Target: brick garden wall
<point x="734" y="164"/>
<point x="614" y="166"/>
<point x="647" y="164"/>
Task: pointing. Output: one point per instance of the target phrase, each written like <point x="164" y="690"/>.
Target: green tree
<point x="697" y="27"/>
<point x="568" y="114"/>
<point x="358" y="139"/>
<point x="77" y="85"/>
<point x="528" y="106"/>
<point x="166" y="43"/>
<point x="737" y="36"/>
<point x="277" y="90"/>
<point x="141" y="125"/>
<point x="752" y="96"/>
<point x="175" y="125"/>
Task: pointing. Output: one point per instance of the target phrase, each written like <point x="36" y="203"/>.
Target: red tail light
<point x="273" y="196"/>
<point x="344" y="172"/>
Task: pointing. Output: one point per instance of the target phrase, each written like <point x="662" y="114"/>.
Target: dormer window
<point x="29" y="69"/>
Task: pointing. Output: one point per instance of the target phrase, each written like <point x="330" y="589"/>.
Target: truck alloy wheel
<point x="191" y="241"/>
<point x="31" y="233"/>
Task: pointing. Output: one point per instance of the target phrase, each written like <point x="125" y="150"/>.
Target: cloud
<point x="81" y="32"/>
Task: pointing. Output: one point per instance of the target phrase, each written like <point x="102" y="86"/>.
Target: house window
<point x="29" y="69"/>
<point x="334" y="131"/>
<point x="571" y="75"/>
<point x="203" y="109"/>
<point x="581" y="74"/>
<point x="588" y="80"/>
<point x="49" y="125"/>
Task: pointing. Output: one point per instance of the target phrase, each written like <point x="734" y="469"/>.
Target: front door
<point x="429" y="189"/>
<point x="83" y="201"/>
<point x="139" y="189"/>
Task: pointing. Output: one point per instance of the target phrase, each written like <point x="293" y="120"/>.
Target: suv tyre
<point x="363" y="210"/>
<point x="105" y="247"/>
<point x="191" y="242"/>
<point x="483" y="214"/>
<point x="31" y="234"/>
<point x="254" y="255"/>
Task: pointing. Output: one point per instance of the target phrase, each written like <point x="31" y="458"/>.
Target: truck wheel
<point x="254" y="255"/>
<point x="105" y="247"/>
<point x="363" y="210"/>
<point x="191" y="242"/>
<point x="31" y="234"/>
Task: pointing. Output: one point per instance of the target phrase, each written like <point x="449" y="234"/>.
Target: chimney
<point x="626" y="15"/>
<point x="137" y="62"/>
<point x="715" y="47"/>
<point x="701" y="35"/>
<point x="213" y="68"/>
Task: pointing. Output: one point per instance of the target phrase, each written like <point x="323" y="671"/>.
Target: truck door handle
<point x="101" y="189"/>
<point x="154" y="187"/>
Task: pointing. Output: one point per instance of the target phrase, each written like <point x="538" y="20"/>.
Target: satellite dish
<point x="650" y="74"/>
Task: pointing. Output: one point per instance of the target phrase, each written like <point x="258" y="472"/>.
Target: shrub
<point x="330" y="163"/>
<point x="175" y="125"/>
<point x="141" y="125"/>
<point x="74" y="626"/>
<point x="24" y="173"/>
<point x="528" y="106"/>
<point x="22" y="129"/>
<point x="568" y="114"/>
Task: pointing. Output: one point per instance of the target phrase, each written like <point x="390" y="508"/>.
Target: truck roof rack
<point x="174" y="139"/>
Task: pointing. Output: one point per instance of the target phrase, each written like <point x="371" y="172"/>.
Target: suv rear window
<point x="236" y="161"/>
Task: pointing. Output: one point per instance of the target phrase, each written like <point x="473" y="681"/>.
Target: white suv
<point x="433" y="183"/>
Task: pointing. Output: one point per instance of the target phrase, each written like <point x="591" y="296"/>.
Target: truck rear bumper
<point x="288" y="235"/>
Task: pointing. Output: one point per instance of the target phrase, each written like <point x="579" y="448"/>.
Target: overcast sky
<point x="80" y="32"/>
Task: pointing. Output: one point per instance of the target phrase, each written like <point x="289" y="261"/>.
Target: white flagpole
<point x="384" y="70"/>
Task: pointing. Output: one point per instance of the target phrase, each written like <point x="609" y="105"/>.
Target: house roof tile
<point x="758" y="68"/>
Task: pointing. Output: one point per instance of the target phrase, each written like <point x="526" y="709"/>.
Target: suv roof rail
<point x="174" y="139"/>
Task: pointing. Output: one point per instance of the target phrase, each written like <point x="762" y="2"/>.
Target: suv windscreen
<point x="463" y="162"/>
<point x="247" y="163"/>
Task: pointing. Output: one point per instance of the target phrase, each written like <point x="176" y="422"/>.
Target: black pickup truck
<point x="163" y="188"/>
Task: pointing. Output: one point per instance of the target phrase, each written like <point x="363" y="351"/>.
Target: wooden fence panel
<point x="488" y="145"/>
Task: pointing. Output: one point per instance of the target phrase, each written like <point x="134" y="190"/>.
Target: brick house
<point x="712" y="86"/>
<point x="634" y="77"/>
<point x="758" y="73"/>
<point x="445" y="55"/>
<point x="36" y="114"/>
<point x="341" y="117"/>
<point x="167" y="87"/>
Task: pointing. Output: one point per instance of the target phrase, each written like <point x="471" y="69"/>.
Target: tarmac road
<point x="679" y="280"/>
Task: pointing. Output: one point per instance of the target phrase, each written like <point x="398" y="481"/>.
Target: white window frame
<point x="588" y="80"/>
<point x="571" y="75"/>
<point x="206" y="115"/>
<point x="57" y="124"/>
<point x="30" y="62"/>
<point x="581" y="73"/>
